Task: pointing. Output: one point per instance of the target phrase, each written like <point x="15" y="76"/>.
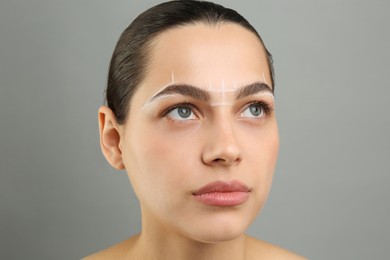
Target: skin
<point x="168" y="157"/>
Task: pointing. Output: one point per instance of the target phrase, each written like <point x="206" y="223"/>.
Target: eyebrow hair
<point x="185" y="90"/>
<point x="254" y="88"/>
<point x="203" y="95"/>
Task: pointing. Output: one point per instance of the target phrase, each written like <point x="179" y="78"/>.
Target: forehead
<point x="204" y="55"/>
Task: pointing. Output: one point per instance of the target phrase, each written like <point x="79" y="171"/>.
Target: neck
<point x="156" y="242"/>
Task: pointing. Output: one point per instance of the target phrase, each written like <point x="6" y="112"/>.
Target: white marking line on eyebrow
<point x="213" y="104"/>
<point x="264" y="94"/>
<point x="211" y="89"/>
<point x="223" y="103"/>
<point x="222" y="90"/>
<point x="147" y="104"/>
<point x="162" y="88"/>
<point x="231" y="103"/>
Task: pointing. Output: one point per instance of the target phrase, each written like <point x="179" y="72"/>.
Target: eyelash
<point x="183" y="104"/>
<point x="267" y="108"/>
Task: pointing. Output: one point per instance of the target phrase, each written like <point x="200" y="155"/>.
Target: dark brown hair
<point x="130" y="58"/>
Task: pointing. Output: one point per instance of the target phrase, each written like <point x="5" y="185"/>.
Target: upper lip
<point x="221" y="186"/>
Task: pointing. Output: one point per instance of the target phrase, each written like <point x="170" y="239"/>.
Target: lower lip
<point x="223" y="199"/>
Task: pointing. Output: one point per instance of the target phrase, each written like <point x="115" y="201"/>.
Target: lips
<point x="223" y="193"/>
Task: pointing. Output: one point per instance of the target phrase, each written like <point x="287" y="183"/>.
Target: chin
<point x="218" y="237"/>
<point x="218" y="230"/>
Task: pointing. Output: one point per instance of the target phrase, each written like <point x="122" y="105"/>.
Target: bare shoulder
<point x="259" y="249"/>
<point x="118" y="251"/>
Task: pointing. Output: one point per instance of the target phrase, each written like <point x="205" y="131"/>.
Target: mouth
<point x="223" y="194"/>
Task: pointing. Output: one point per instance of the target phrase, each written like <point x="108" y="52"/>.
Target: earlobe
<point x="110" y="137"/>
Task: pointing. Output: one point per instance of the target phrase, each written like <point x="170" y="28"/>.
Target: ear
<point x="110" y="137"/>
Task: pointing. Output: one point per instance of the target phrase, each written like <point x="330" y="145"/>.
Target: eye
<point x="182" y="112"/>
<point x="254" y="110"/>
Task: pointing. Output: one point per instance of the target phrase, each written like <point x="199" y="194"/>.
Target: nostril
<point x="227" y="161"/>
<point x="223" y="150"/>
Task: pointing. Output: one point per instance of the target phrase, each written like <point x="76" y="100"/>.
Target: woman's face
<point x="201" y="139"/>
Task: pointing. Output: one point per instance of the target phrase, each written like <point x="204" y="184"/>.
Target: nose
<point x="222" y="148"/>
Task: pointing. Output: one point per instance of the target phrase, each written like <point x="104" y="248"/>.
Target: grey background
<point x="59" y="199"/>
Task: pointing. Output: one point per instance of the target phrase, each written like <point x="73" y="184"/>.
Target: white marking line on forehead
<point x="265" y="81"/>
<point x="147" y="104"/>
<point x="221" y="104"/>
<point x="161" y="89"/>
<point x="173" y="77"/>
<point x="222" y="88"/>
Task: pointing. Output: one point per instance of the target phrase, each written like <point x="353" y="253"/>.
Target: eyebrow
<point x="203" y="95"/>
<point x="254" y="88"/>
<point x="185" y="90"/>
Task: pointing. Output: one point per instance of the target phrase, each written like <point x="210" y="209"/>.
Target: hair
<point x="131" y="54"/>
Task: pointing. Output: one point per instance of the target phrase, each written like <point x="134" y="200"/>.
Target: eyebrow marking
<point x="173" y="77"/>
<point x="223" y="90"/>
<point x="204" y="94"/>
<point x="185" y="90"/>
<point x="253" y="89"/>
<point x="264" y="79"/>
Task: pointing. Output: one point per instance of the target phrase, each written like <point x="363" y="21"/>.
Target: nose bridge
<point x="224" y="127"/>
<point x="222" y="146"/>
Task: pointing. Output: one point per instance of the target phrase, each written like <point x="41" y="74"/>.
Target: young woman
<point x="191" y="118"/>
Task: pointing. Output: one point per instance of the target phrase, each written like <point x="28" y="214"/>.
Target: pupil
<point x="255" y="110"/>
<point x="184" y="112"/>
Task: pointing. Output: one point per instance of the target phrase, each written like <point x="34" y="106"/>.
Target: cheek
<point x="261" y="152"/>
<point x="261" y="146"/>
<point x="271" y="147"/>
<point x="165" y="150"/>
<point x="269" y="158"/>
<point x="156" y="162"/>
<point x="170" y="147"/>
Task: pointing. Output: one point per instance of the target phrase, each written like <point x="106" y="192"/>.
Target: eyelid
<point x="266" y="106"/>
<point x="193" y="108"/>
